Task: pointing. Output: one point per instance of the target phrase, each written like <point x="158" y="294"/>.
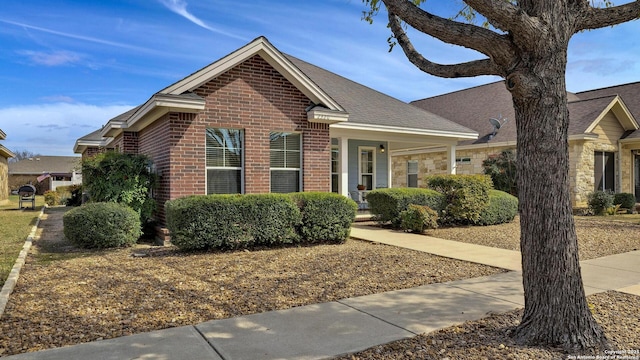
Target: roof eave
<point x="408" y="131"/>
<point x="160" y="104"/>
<point x="326" y="116"/>
<point x="4" y="152"/>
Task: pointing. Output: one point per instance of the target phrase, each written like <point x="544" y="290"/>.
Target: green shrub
<point x="625" y="200"/>
<point x="387" y="204"/>
<point x="503" y="208"/>
<point x="51" y="198"/>
<point x="599" y="201"/>
<point x="231" y="221"/>
<point x="418" y="218"/>
<point x="121" y="178"/>
<point x="502" y="169"/>
<point x="102" y="225"/>
<point x="326" y="217"/>
<point x="70" y="195"/>
<point x="466" y="196"/>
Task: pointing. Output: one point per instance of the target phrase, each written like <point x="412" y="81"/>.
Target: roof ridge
<point x="456" y="91"/>
<point x="607" y="87"/>
<point x="595" y="98"/>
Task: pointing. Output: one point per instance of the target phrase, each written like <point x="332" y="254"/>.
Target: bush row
<point x="601" y="202"/>
<point x="460" y="199"/>
<point x="242" y="221"/>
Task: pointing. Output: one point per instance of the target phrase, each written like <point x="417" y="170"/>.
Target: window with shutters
<point x="286" y="160"/>
<point x="412" y="173"/>
<point x="224" y="161"/>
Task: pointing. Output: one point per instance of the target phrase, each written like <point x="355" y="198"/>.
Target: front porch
<point x="361" y="159"/>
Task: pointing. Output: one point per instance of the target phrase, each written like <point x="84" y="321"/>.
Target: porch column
<point x="451" y="159"/>
<point x="343" y="181"/>
<point x="389" y="168"/>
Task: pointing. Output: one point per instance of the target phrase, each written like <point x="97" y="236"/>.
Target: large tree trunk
<point x="556" y="310"/>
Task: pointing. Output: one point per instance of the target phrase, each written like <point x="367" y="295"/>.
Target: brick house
<point x="5" y="154"/>
<point x="259" y="121"/>
<point x="604" y="140"/>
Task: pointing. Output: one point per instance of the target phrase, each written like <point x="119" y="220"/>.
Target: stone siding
<point x="4" y="179"/>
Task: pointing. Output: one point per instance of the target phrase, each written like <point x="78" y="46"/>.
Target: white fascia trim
<point x="403" y="130"/>
<point x="616" y="104"/>
<point x="167" y="103"/>
<point x="270" y="54"/>
<point x="113" y="128"/>
<point x="326" y="116"/>
<point x="6" y="152"/>
<point x="432" y="149"/>
<point x="80" y="145"/>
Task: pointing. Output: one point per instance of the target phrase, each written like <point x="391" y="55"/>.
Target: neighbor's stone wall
<point x="435" y="163"/>
<point x="4" y="179"/>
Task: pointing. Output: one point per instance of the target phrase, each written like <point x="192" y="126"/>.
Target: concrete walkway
<point x="325" y="330"/>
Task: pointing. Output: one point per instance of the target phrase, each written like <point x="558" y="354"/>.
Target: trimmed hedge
<point x="232" y="221"/>
<point x="466" y="196"/>
<point x="503" y="208"/>
<point x="102" y="225"/>
<point x="418" y="218"/>
<point x="626" y="200"/>
<point x="387" y="204"/>
<point x="325" y="216"/>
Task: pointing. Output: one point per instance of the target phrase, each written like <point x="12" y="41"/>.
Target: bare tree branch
<point x="497" y="47"/>
<point x="595" y="18"/>
<point x="468" y="69"/>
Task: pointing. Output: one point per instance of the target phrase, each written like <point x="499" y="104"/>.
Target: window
<point x="464" y="160"/>
<point x="604" y="171"/>
<point x="367" y="167"/>
<point x="224" y="161"/>
<point x="335" y="166"/>
<point x="412" y="173"/>
<point x="286" y="160"/>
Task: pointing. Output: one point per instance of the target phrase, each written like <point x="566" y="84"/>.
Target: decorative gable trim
<point x="621" y="112"/>
<point x="262" y="47"/>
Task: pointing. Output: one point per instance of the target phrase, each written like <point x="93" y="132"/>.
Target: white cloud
<point x="52" y="58"/>
<point x="180" y="7"/>
<point x="52" y="129"/>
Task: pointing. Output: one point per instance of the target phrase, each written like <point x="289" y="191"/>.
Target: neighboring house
<point x="45" y="172"/>
<point x="259" y="121"/>
<point x="604" y="140"/>
<point x="5" y="154"/>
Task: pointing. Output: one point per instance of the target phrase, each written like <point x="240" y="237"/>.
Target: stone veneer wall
<point x="435" y="163"/>
<point x="4" y="179"/>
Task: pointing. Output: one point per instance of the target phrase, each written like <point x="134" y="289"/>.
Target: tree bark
<point x="556" y="311"/>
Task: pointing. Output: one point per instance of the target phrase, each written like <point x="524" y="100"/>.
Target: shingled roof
<point x="45" y="164"/>
<point x="371" y="107"/>
<point x="474" y="107"/>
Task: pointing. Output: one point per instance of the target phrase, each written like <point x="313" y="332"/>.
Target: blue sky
<point x="67" y="67"/>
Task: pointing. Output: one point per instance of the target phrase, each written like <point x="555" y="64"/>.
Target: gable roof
<point x="629" y="93"/>
<point x="45" y="164"/>
<point x="474" y="107"/>
<point x="335" y="100"/>
<point x="93" y="139"/>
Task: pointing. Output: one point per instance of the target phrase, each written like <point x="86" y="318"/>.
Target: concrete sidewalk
<point x="325" y="330"/>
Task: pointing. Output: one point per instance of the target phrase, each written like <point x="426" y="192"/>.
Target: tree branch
<point x="495" y="46"/>
<point x="507" y="17"/>
<point x="468" y="69"/>
<point x="595" y="18"/>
